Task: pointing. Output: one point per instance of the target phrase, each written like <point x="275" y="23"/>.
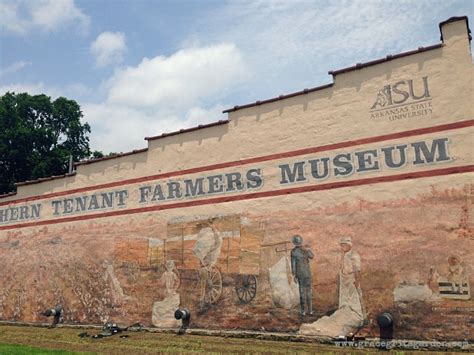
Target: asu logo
<point x="402" y="92"/>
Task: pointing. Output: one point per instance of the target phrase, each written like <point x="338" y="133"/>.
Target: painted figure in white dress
<point x="350" y="292"/>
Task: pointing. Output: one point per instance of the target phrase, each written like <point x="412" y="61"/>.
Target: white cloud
<point x="13" y="68"/>
<point x="159" y="95"/>
<point x="291" y="45"/>
<point x="180" y="80"/>
<point x="23" y="16"/>
<point x="52" y="14"/>
<point x="164" y="94"/>
<point x="200" y="115"/>
<point x="118" y="128"/>
<point x="108" y="48"/>
<point x="273" y="47"/>
<point x="10" y="20"/>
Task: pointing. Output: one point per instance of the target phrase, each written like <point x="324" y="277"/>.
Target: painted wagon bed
<point x="238" y="255"/>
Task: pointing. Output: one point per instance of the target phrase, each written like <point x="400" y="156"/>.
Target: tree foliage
<point x="37" y="137"/>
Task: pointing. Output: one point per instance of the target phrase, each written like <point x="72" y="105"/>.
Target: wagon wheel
<point x="246" y="287"/>
<point x="214" y="285"/>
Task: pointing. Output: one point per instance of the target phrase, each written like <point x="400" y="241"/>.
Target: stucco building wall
<point x="205" y="218"/>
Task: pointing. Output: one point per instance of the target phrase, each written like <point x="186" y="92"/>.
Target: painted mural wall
<point x="312" y="214"/>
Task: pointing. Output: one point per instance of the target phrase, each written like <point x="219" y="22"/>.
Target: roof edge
<point x="281" y="97"/>
<point x="186" y="130"/>
<point x="388" y="58"/>
<point x="335" y="72"/>
<point x="136" y="151"/>
<point x="119" y="155"/>
<point x="8" y="194"/>
<point x="49" y="178"/>
<point x="55" y="177"/>
<point x="359" y="66"/>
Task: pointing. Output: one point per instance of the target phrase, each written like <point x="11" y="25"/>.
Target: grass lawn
<point x="37" y="340"/>
<point x="27" y="350"/>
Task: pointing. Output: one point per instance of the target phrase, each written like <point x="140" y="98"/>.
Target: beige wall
<point x="402" y="221"/>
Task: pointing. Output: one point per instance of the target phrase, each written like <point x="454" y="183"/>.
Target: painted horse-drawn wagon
<point x="209" y="253"/>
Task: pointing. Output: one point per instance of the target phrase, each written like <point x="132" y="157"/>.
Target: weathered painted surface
<point x="313" y="213"/>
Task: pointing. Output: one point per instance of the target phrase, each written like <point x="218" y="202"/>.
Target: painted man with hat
<point x="350" y="293"/>
<point x="301" y="270"/>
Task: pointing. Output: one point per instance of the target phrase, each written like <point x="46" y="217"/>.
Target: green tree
<point x="37" y="137"/>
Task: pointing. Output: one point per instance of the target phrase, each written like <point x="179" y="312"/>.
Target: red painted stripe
<point x="255" y="195"/>
<point x="311" y="150"/>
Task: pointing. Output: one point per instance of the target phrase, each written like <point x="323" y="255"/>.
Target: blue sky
<point x="140" y="68"/>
